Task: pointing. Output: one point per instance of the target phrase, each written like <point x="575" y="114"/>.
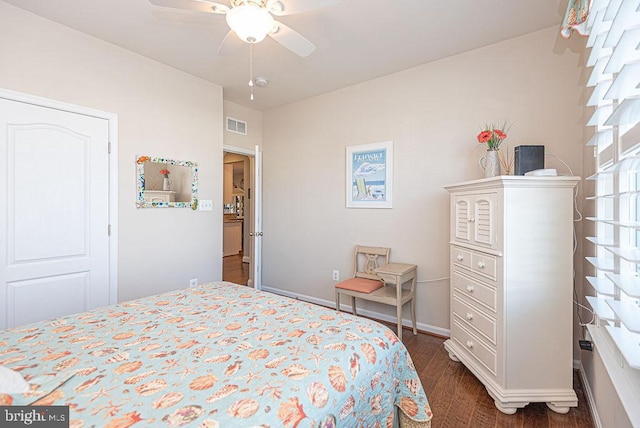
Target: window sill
<point x="625" y="379"/>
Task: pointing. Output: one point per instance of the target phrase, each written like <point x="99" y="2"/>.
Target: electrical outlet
<point x="586" y="345"/>
<point x="193" y="282"/>
<point x="336" y="275"/>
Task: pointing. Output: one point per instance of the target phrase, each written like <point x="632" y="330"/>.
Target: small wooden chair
<point x="368" y="285"/>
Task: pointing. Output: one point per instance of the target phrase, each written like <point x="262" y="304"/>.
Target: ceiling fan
<point x="252" y="20"/>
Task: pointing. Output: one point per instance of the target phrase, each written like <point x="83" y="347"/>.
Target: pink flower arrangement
<point x="165" y="172"/>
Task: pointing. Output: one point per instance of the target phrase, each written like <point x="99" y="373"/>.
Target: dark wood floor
<point x="233" y="270"/>
<point x="457" y="398"/>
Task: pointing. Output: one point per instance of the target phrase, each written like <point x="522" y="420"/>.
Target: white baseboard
<point x="588" y="393"/>
<point x="371" y="314"/>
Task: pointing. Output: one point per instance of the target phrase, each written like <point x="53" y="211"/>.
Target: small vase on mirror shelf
<point x="166" y="185"/>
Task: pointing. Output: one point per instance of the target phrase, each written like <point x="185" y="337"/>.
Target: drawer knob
<point x="469" y="316"/>
<point x="469" y="344"/>
<point x="470" y="288"/>
<point x="472" y="219"/>
<point x="480" y="264"/>
<point x="460" y="257"/>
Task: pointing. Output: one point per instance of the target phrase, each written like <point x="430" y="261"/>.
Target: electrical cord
<point x="575" y="248"/>
<point x="575" y="194"/>
<point x="433" y="280"/>
<point x="563" y="162"/>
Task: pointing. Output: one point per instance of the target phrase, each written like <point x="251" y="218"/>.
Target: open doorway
<point x="238" y="217"/>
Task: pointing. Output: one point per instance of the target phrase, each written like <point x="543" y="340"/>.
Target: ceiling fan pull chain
<point x="251" y="70"/>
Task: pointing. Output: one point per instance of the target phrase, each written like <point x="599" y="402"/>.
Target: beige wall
<point x="161" y="111"/>
<point x="254" y="126"/>
<point x="432" y="113"/>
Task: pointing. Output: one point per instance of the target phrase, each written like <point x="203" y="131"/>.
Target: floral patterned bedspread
<point x="219" y="355"/>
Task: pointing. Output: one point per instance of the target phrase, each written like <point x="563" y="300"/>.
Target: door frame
<point x="112" y="120"/>
<point x="251" y="154"/>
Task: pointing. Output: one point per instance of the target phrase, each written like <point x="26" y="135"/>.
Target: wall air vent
<point x="237" y="126"/>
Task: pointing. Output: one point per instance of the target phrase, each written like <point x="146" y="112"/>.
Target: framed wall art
<point x="370" y="175"/>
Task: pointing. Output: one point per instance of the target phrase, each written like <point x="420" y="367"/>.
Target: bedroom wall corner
<point x="432" y="113"/>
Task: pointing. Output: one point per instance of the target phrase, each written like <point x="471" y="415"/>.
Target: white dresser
<point x="511" y="287"/>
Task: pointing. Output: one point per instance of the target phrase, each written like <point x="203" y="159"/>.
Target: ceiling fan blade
<point x="194" y="5"/>
<point x="292" y="40"/>
<point x="289" y="7"/>
<point x="230" y="44"/>
<point x="182" y="17"/>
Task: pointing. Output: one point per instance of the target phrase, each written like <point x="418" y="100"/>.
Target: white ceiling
<point x="356" y="40"/>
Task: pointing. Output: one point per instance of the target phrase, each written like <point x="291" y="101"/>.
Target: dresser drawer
<point x="484" y="264"/>
<point x="473" y="318"/>
<point x="474" y="289"/>
<point x="461" y="257"/>
<point x="474" y="346"/>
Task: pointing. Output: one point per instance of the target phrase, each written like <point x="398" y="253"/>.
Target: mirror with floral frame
<point x="166" y="183"/>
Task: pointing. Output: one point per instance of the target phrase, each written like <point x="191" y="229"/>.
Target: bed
<point x="217" y="355"/>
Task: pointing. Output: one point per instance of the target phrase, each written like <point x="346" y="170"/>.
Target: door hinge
<point x="109" y="230"/>
<point x="109" y="147"/>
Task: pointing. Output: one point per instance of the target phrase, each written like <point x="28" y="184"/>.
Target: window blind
<point x="614" y="40"/>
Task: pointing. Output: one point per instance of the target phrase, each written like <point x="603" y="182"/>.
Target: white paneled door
<point x="54" y="212"/>
<point x="257" y="220"/>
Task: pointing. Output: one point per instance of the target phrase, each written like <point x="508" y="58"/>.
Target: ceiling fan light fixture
<point x="251" y="23"/>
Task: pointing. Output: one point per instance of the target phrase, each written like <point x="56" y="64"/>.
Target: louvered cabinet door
<point x="484" y="220"/>
<point x="462" y="226"/>
<point x="474" y="222"/>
